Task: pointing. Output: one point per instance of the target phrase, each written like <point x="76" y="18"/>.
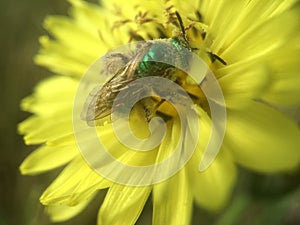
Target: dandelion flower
<point x="258" y="41"/>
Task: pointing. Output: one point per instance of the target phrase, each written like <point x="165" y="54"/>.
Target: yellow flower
<point x="258" y="40"/>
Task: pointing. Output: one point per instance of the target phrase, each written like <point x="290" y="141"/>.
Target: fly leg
<point x="151" y="106"/>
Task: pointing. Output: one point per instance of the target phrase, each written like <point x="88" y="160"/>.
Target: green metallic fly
<point x="145" y="62"/>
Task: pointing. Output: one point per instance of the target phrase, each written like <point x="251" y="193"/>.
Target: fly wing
<point x="90" y="111"/>
<point x="99" y="103"/>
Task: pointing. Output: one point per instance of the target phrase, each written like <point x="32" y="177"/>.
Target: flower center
<point x="193" y="36"/>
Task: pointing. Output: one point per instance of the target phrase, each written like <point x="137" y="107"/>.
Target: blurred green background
<point x="257" y="199"/>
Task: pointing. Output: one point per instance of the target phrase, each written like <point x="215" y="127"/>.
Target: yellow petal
<point x="243" y="83"/>
<point x="51" y="95"/>
<point x="123" y="205"/>
<point x="59" y="59"/>
<point x="93" y="181"/>
<point x="114" y="160"/>
<point x="78" y="41"/>
<point x="255" y="43"/>
<point x="173" y="201"/>
<point x="212" y="187"/>
<point x="123" y="153"/>
<point x="284" y="89"/>
<point x="46" y="158"/>
<point x="244" y="16"/>
<point x="60" y="213"/>
<point x="263" y="139"/>
<point x="63" y="28"/>
<point x="41" y="132"/>
<point x="77" y="178"/>
<point x="64" y="140"/>
<point x="170" y="142"/>
<point x="216" y="16"/>
<point x="52" y="103"/>
<point x="100" y="21"/>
